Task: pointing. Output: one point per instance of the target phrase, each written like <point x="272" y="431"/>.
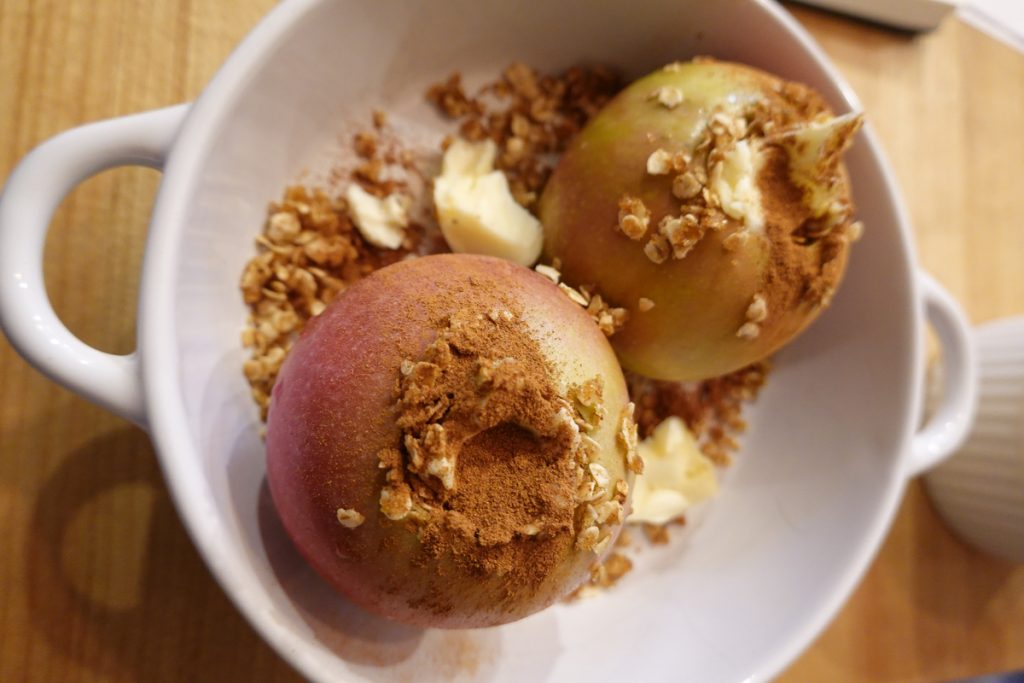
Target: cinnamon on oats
<point x="494" y="468"/>
<point x="609" y="319"/>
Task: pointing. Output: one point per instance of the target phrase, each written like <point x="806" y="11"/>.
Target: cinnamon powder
<point x="492" y="457"/>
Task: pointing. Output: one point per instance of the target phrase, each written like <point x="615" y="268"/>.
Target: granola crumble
<point x="310" y="251"/>
<point x="712" y="409"/>
<point x="529" y="115"/>
<point x="609" y="319"/>
<point x="659" y="162"/>
<point x="668" y="96"/>
<point x="350" y="519"/>
<point x="634" y="217"/>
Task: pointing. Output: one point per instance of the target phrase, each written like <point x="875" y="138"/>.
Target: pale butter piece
<point x="476" y="209"/>
<point x="676" y="475"/>
<point x="381" y="222"/>
<point x="815" y="151"/>
<point x="733" y="180"/>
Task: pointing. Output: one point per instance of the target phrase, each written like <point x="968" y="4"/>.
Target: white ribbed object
<point x="980" y="490"/>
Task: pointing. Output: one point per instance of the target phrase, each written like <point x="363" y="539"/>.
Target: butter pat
<point x="476" y="210"/>
<point x="676" y="474"/>
<point x="733" y="180"/>
<point x="815" y="150"/>
<point x="381" y="222"/>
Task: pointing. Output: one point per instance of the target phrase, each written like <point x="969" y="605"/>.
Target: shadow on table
<point x="980" y="577"/>
<point x="957" y="588"/>
<point x="166" y="620"/>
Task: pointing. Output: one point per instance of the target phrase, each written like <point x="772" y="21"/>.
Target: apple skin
<point x="700" y="301"/>
<point x="332" y="412"/>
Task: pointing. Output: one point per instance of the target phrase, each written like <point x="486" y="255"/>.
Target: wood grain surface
<point x="98" y="579"/>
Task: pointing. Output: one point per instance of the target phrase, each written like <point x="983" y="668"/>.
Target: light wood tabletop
<point x="98" y="579"/>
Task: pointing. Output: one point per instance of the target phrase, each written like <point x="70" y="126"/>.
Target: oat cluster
<point x="529" y="116"/>
<point x="349" y="518"/>
<point x="691" y="177"/>
<point x="604" y="575"/>
<point x="757" y="313"/>
<point x="609" y="571"/>
<point x="479" y="374"/>
<point x="634" y="217"/>
<point x="609" y="319"/>
<point x="628" y="437"/>
<point x="310" y="251"/>
<point x="602" y="501"/>
<point x="674" y="235"/>
<point x="668" y="96"/>
<point x="712" y="409"/>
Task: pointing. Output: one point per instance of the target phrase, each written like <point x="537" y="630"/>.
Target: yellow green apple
<point x="755" y="162"/>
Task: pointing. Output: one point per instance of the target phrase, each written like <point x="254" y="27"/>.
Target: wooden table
<point x="98" y="579"/>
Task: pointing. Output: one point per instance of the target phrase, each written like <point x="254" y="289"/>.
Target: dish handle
<point x="951" y="421"/>
<point x="33" y="192"/>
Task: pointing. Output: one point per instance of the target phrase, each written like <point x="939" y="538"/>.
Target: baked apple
<point x="451" y="444"/>
<point x="710" y="200"/>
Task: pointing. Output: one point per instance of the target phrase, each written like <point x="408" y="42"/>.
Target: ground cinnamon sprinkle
<point x="492" y="460"/>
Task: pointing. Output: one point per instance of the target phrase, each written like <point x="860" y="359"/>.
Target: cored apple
<point x="450" y="442"/>
<point x="710" y="200"/>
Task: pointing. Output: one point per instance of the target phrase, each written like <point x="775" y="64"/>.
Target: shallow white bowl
<point x="831" y="443"/>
